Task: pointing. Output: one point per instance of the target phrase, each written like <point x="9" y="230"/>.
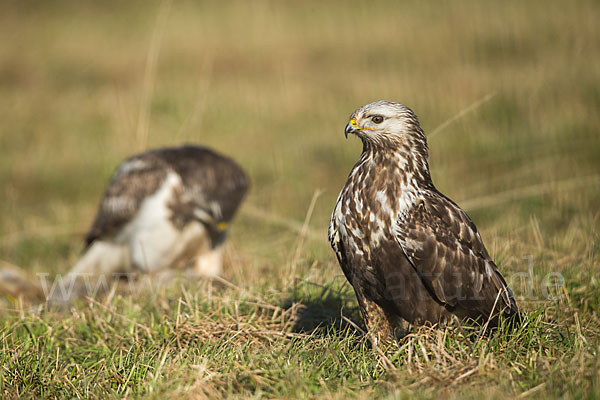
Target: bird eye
<point x="377" y="119"/>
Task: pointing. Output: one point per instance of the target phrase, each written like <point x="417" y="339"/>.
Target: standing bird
<point x="409" y="251"/>
<point x="163" y="209"/>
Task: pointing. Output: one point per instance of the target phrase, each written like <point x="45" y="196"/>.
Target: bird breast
<point x="370" y="203"/>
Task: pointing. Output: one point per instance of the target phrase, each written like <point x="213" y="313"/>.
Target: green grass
<point x="203" y="341"/>
<point x="508" y="91"/>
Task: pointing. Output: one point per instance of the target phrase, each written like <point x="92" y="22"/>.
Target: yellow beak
<point x="352" y="127"/>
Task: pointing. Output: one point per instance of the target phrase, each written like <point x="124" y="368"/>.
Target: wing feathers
<point x="212" y="186"/>
<point x="130" y="185"/>
<point x="444" y="247"/>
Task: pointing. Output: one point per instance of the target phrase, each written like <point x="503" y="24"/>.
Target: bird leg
<point x="380" y="324"/>
<point x="209" y="264"/>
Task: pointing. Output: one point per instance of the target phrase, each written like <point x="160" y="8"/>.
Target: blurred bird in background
<point x="164" y="209"/>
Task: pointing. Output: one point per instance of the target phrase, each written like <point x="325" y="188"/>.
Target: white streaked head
<point x="385" y="123"/>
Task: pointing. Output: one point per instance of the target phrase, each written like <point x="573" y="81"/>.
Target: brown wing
<point x="444" y="247"/>
<point x="134" y="180"/>
<point x="337" y="246"/>
<point x="214" y="183"/>
<point x="213" y="187"/>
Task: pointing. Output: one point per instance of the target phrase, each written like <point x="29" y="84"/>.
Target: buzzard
<point x="409" y="251"/>
<point x="163" y="209"/>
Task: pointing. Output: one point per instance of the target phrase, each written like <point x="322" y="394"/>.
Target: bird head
<point x="387" y="124"/>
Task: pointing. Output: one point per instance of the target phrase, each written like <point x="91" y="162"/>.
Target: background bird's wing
<point x="134" y="180"/>
<point x="215" y="184"/>
<point x="212" y="188"/>
<point x="444" y="247"/>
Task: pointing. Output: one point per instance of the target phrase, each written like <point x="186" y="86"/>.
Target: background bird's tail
<point x="15" y="284"/>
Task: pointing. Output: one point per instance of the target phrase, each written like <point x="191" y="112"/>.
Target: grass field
<point x="508" y="92"/>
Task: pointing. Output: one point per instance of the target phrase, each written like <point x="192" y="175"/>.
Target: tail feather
<point x="15" y="283"/>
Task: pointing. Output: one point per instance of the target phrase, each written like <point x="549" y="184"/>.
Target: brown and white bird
<point x="163" y="209"/>
<point x="409" y="251"/>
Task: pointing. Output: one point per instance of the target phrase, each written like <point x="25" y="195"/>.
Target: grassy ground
<point x="507" y="91"/>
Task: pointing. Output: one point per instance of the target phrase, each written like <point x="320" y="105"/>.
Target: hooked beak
<point x="352" y="127"/>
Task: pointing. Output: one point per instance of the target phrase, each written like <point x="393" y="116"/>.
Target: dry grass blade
<point x="287" y="223"/>
<point x="302" y="236"/>
<point x="528" y="191"/>
<point x="460" y="114"/>
<point x="144" y="328"/>
<point x="532" y="391"/>
<point x="150" y="74"/>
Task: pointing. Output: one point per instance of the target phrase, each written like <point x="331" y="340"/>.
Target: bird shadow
<point x="320" y="310"/>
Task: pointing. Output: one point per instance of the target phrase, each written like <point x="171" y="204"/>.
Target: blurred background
<point x="508" y="93"/>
